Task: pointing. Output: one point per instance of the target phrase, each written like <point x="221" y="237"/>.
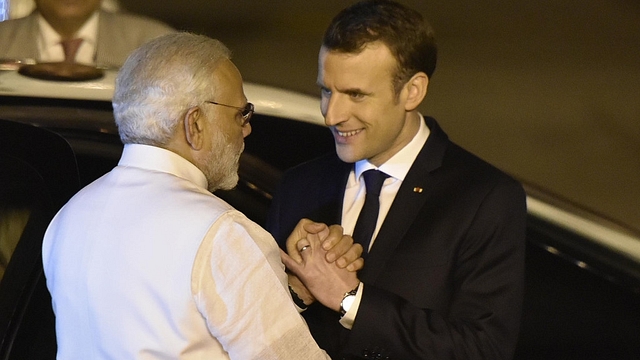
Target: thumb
<point x="288" y="261"/>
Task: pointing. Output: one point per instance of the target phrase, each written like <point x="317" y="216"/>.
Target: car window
<point x="22" y="195"/>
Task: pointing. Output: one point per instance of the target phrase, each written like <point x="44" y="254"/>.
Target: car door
<point x="38" y="174"/>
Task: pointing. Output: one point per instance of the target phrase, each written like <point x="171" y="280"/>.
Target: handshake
<point x="322" y="263"/>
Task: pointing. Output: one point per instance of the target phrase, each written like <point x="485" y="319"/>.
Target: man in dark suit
<point x="443" y="277"/>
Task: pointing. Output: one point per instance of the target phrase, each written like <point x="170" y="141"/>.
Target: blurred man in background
<point x="76" y="31"/>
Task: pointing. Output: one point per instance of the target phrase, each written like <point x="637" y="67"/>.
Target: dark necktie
<point x="70" y="48"/>
<point x="368" y="217"/>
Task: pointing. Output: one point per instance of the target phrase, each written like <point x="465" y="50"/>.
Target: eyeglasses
<point x="246" y="111"/>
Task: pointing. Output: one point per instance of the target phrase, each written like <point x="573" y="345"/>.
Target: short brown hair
<point x="403" y="30"/>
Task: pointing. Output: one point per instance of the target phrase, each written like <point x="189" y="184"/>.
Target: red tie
<point x="70" y="49"/>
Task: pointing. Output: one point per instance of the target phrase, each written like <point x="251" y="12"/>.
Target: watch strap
<point x="296" y="299"/>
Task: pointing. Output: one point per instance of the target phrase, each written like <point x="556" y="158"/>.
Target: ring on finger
<point x="305" y="248"/>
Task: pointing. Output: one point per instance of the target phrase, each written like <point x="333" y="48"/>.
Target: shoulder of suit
<point x="15" y="36"/>
<point x="18" y="23"/>
<point x="476" y="167"/>
<point x="462" y="160"/>
<point x="327" y="163"/>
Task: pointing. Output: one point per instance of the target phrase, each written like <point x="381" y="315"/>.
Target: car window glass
<point x="21" y="195"/>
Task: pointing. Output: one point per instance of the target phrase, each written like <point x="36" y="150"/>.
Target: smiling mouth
<point x="348" y="133"/>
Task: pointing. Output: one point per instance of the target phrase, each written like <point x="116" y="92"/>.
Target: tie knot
<point x="70" y="48"/>
<point x="373" y="180"/>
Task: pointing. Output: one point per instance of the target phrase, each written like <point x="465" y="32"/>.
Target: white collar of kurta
<point x="399" y="164"/>
<point x="158" y="159"/>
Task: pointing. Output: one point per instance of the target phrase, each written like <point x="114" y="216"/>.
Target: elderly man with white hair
<point x="147" y="263"/>
<point x="83" y="31"/>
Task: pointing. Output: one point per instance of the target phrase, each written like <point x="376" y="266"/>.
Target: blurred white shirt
<point x="50" y="49"/>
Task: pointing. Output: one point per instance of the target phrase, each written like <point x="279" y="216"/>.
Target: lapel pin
<point x="417" y="190"/>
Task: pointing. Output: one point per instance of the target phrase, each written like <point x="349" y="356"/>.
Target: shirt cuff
<point x="350" y="316"/>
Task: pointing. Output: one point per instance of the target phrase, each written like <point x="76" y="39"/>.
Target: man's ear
<point x="194" y="127"/>
<point x="416" y="90"/>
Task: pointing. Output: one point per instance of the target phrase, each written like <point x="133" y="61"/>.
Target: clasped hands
<point x="322" y="263"/>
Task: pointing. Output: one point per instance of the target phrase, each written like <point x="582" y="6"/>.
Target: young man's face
<point x="69" y="10"/>
<point x="367" y="118"/>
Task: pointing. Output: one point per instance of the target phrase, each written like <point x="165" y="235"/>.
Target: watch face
<point x="347" y="302"/>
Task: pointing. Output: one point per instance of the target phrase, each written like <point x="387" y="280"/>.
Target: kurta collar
<point x="154" y="158"/>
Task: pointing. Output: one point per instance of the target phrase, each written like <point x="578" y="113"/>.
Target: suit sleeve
<point x="485" y="306"/>
<point x="273" y="223"/>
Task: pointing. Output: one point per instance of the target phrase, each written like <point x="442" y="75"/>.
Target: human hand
<point x="325" y="281"/>
<point x="340" y="248"/>
<point x="302" y="229"/>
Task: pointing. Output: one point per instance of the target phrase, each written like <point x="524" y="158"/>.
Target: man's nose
<point x="334" y="111"/>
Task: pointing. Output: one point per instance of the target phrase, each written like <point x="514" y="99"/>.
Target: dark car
<point x="583" y="273"/>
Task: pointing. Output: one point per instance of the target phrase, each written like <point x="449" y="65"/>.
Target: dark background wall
<point x="547" y="90"/>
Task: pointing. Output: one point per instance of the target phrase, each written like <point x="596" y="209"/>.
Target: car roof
<point x="268" y="100"/>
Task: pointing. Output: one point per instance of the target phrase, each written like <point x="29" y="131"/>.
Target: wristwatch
<point x="347" y="300"/>
<point x="296" y="299"/>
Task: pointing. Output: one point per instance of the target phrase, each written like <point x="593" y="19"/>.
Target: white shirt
<point x="50" y="48"/>
<point x="397" y="168"/>
<point x="145" y="263"/>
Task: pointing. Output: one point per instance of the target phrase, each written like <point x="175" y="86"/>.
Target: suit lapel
<point x="411" y="197"/>
<point x="333" y="188"/>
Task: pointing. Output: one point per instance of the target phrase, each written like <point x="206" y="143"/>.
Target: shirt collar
<point x="158" y="159"/>
<point x="88" y="32"/>
<point x="399" y="164"/>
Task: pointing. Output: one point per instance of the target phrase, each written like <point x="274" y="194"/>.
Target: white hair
<point x="160" y="81"/>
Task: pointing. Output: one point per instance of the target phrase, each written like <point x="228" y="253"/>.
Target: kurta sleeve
<point x="240" y="288"/>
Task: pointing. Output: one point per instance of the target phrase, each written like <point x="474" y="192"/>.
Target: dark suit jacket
<point x="444" y="278"/>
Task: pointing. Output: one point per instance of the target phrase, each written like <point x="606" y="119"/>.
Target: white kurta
<point x="145" y="263"/>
